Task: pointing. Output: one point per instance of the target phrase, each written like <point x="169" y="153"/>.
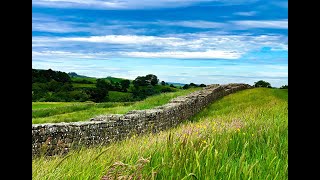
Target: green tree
<point x="100" y="93"/>
<point x="140" y="81"/>
<point x="97" y="94"/>
<point x="152" y="79"/>
<point x="117" y="86"/>
<point x="48" y="74"/>
<point x="66" y="87"/>
<point x="149" y="90"/>
<point x="193" y="85"/>
<point x="62" y="77"/>
<point x="79" y="96"/>
<point x="262" y="83"/>
<point x="125" y="85"/>
<point x="284" y="87"/>
<point x="54" y="86"/>
<point x="186" y="86"/>
<point x="102" y="84"/>
<point x="163" y="83"/>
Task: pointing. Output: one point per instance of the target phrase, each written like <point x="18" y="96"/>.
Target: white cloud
<point x="191" y="41"/>
<point x="129" y="4"/>
<point x="56" y="27"/>
<point x="275" y="24"/>
<point x="173" y="54"/>
<point x="228" y="25"/>
<point x="60" y="55"/>
<point x="249" y="13"/>
<point x="272" y="74"/>
<point x="170" y="46"/>
<point x="124" y="39"/>
<point x="210" y="54"/>
<point x="187" y="67"/>
<point x="44" y="23"/>
<point x="193" y="24"/>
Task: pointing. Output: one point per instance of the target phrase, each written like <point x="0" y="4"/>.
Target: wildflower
<point x="238" y="129"/>
<point x="252" y="134"/>
<point x="204" y="142"/>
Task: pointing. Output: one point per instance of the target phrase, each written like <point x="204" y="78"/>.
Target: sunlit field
<point x="54" y="112"/>
<point x="241" y="136"/>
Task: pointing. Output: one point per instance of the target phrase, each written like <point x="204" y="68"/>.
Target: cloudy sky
<point x="199" y="41"/>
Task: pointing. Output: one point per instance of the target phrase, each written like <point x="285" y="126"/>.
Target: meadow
<point x="47" y="109"/>
<point x="240" y="136"/>
<point x="53" y="112"/>
<point x="42" y="105"/>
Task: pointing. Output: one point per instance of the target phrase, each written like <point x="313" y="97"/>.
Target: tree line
<point x="57" y="86"/>
<point x="266" y="84"/>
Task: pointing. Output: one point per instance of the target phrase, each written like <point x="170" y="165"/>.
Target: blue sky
<point x="199" y="41"/>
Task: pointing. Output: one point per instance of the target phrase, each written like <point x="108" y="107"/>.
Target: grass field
<point x="93" y="80"/>
<point x="83" y="112"/>
<point x="241" y="136"/>
<point x="81" y="85"/>
<point x="71" y="107"/>
<point x="42" y="105"/>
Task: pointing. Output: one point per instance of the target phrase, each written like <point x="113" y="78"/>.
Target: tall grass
<point x="84" y="113"/>
<point x="241" y="136"/>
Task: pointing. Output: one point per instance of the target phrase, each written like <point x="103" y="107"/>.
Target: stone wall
<point x="58" y="138"/>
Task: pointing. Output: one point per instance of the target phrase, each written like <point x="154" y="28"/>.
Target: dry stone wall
<point x="58" y="138"/>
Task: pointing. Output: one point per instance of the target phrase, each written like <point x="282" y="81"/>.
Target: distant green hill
<point x="73" y="74"/>
<point x="175" y="84"/>
<point x="76" y="78"/>
<point x="114" y="79"/>
<point x="56" y="86"/>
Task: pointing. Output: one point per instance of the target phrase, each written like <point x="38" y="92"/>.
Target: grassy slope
<point x="114" y="79"/>
<point x="85" y="114"/>
<point x="78" y="85"/>
<point x="242" y="136"/>
<point x="72" y="107"/>
<point x="93" y="80"/>
<point x="42" y="105"/>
